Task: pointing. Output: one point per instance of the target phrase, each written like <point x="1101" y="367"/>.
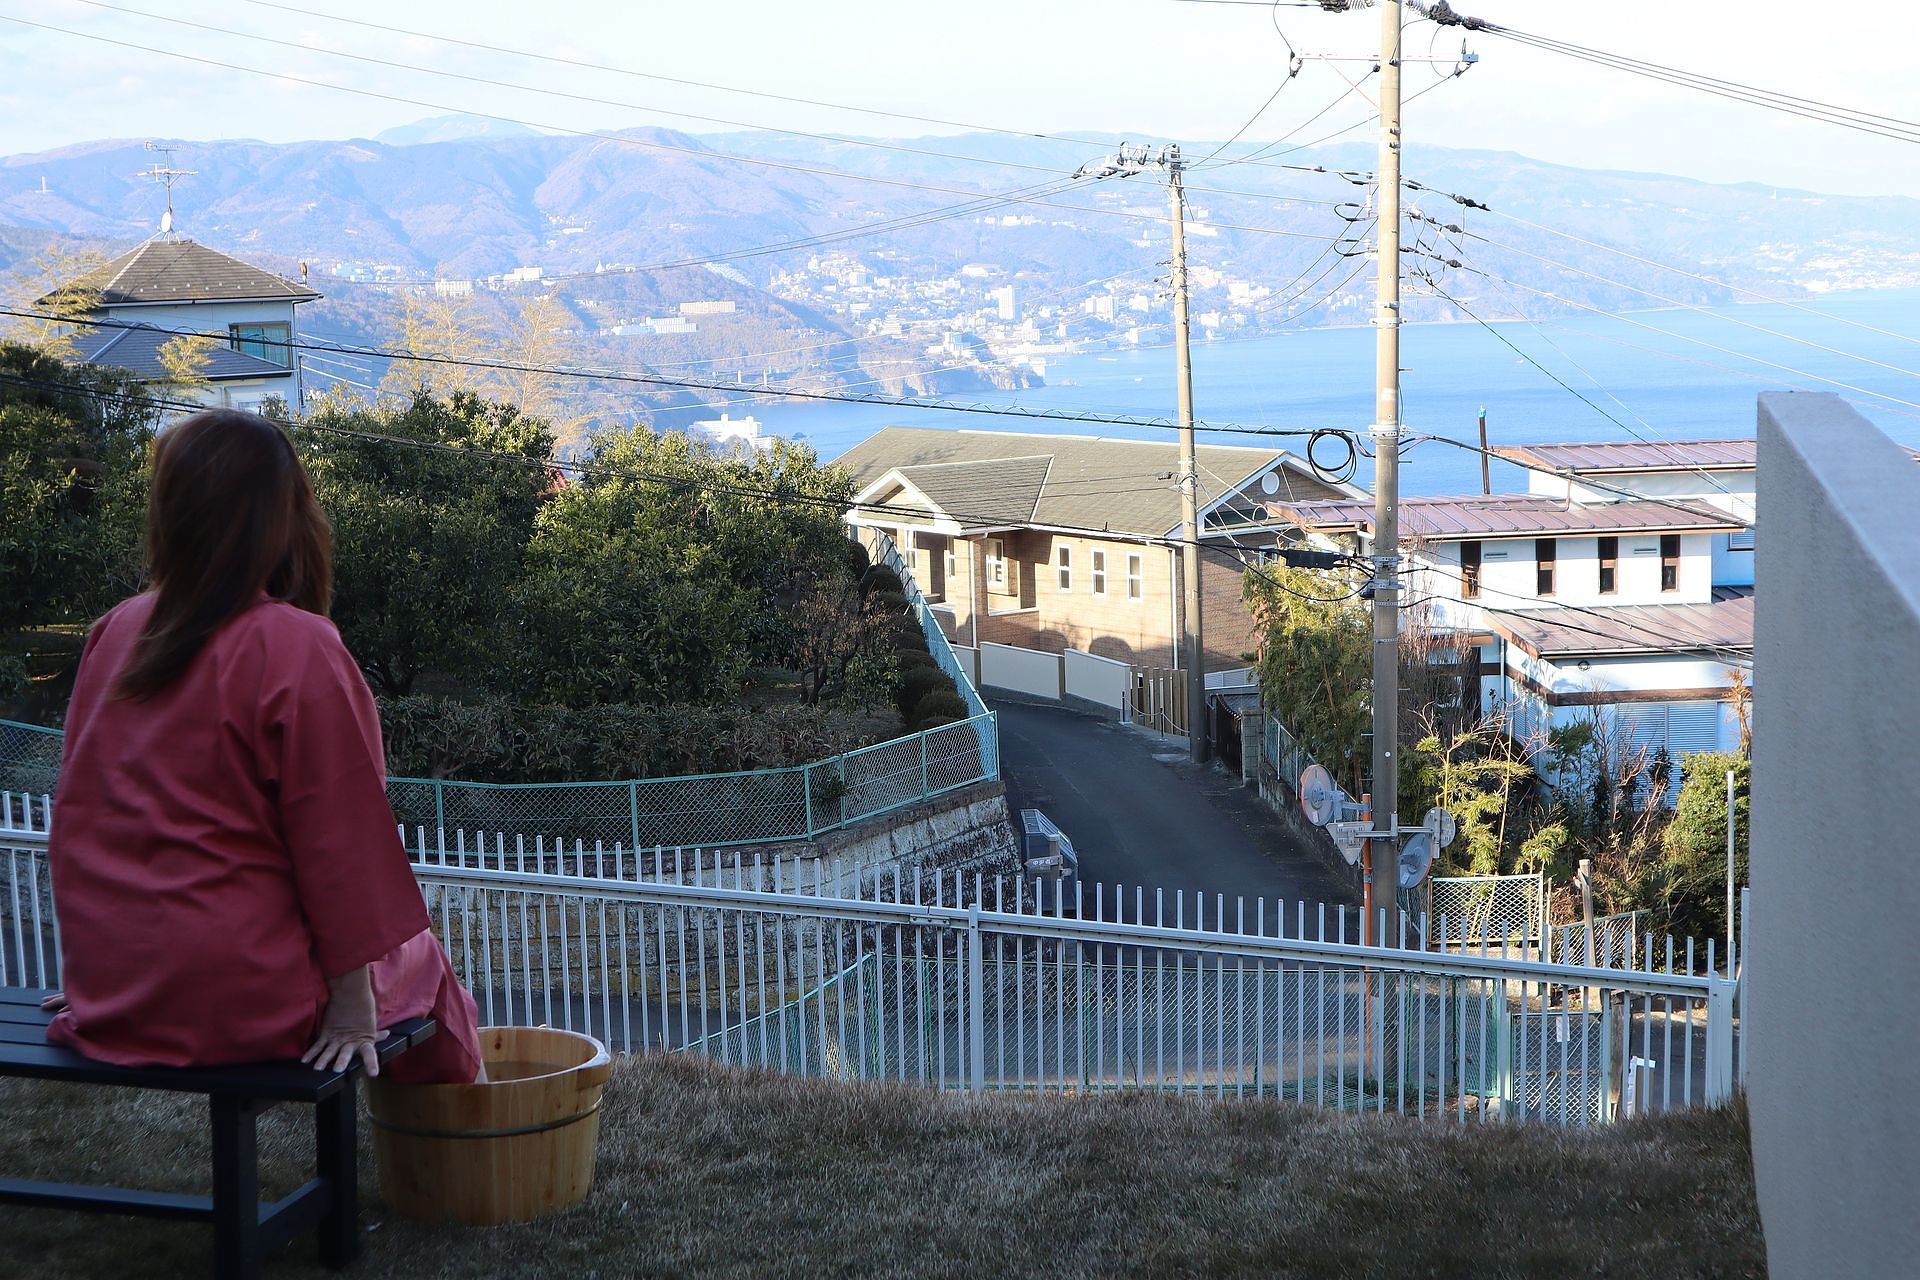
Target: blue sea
<point x="1669" y="374"/>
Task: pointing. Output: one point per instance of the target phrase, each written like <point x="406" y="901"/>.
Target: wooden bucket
<point x="520" y="1146"/>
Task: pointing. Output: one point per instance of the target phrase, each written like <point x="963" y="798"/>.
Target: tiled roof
<point x="182" y="271"/>
<point x="1069" y="482"/>
<point x="137" y="348"/>
<point x="1513" y="515"/>
<point x="1645" y="628"/>
<point x="1635" y="456"/>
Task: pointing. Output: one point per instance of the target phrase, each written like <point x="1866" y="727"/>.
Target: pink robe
<point x="223" y="848"/>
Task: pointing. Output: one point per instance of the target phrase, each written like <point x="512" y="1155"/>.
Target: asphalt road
<point x="1139" y="814"/>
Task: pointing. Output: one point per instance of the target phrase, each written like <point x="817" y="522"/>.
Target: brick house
<point x="1058" y="542"/>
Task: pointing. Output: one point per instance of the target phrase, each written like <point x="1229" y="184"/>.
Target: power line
<point x="1690" y="306"/>
<point x="593" y="468"/>
<point x="586" y="65"/>
<point x="1668" y="333"/>
<point x="1512" y="346"/>
<point x="702" y="384"/>
<point x="1694" y="275"/>
<point x="700" y="153"/>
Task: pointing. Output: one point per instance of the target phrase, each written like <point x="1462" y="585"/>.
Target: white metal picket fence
<point x="967" y="982"/>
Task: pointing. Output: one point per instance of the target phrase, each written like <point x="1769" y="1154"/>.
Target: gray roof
<point x="136" y="348"/>
<point x="182" y="271"/>
<point x="1636" y="628"/>
<point x="1602" y="457"/>
<point x="1515" y="515"/>
<point x="983" y="494"/>
<point x="999" y="478"/>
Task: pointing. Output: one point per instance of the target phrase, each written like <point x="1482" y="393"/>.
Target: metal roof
<point x="1513" y="515"/>
<point x="1069" y="482"/>
<point x="136" y="348"/>
<point x="183" y="271"/>
<point x="1604" y="457"/>
<point x="1635" y="628"/>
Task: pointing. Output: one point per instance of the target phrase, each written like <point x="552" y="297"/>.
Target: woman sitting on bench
<point x="229" y="883"/>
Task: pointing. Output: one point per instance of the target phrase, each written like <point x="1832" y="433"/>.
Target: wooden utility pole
<point x="1189" y="476"/>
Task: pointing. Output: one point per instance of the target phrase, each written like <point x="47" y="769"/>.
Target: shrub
<point x="907" y="635"/>
<point x="917" y="683"/>
<point x="880" y="578"/>
<point x="914" y="659"/>
<point x="887" y="602"/>
<point x="942" y="706"/>
<point x="858" y="562"/>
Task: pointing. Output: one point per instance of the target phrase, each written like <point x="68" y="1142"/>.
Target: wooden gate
<point x="1160" y="699"/>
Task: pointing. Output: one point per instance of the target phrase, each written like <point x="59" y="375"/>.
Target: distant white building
<point x="1004" y="300"/>
<point x="149" y="296"/>
<point x="452" y="288"/>
<point x="1620" y="585"/>
<point x="728" y="434"/>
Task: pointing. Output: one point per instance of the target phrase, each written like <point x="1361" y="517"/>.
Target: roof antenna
<point x="164" y="173"/>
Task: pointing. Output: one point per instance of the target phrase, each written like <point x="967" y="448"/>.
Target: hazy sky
<point x="1147" y="68"/>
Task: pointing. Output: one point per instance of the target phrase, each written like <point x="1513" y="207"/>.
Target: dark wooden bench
<point x="244" y="1228"/>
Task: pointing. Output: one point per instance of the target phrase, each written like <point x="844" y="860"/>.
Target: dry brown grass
<point x="716" y="1172"/>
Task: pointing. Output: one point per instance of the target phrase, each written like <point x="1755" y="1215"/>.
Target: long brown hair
<point x="230" y="514"/>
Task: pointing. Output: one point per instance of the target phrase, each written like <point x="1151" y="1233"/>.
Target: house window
<point x="1669" y="562"/>
<point x="269" y="342"/>
<point x="1546" y="554"/>
<point x="1136" y="585"/>
<point x="1609" y="565"/>
<point x="1063" y="561"/>
<point x="953" y="561"/>
<point x="1740" y="539"/>
<point x="1100" y="573"/>
<point x="1470" y="570"/>
<point x="996" y="565"/>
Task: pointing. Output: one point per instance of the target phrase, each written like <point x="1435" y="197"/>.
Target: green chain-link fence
<point x="701" y="810"/>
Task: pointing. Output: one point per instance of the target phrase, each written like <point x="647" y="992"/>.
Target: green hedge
<point x="942" y="706"/>
<point x="493" y="740"/>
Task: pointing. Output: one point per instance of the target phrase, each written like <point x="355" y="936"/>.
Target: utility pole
<point x="1189" y="474"/>
<point x="1486" y="477"/>
<point x="1383" y="860"/>
<point x="1131" y="160"/>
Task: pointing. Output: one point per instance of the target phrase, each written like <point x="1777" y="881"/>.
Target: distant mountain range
<point x="464" y="197"/>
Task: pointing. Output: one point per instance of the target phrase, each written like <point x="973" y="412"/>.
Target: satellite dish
<point x="166" y="222"/>
<point x="1441" y="826"/>
<point x="1270" y="483"/>
<point x="1416" y="856"/>
<point x="1319" y="797"/>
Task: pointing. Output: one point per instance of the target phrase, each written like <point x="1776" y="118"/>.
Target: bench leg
<point x="338" y="1165"/>
<point x="236" y="1188"/>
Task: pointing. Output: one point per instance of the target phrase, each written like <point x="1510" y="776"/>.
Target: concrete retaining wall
<point x="1024" y="671"/>
<point x="1100" y="681"/>
<point x="1280" y="797"/>
<point x="968" y="829"/>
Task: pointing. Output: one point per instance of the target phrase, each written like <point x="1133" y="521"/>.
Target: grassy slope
<point x="721" y="1173"/>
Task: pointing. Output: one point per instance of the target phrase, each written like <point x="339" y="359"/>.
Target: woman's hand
<point x="347" y="1028"/>
<point x="55" y="1003"/>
